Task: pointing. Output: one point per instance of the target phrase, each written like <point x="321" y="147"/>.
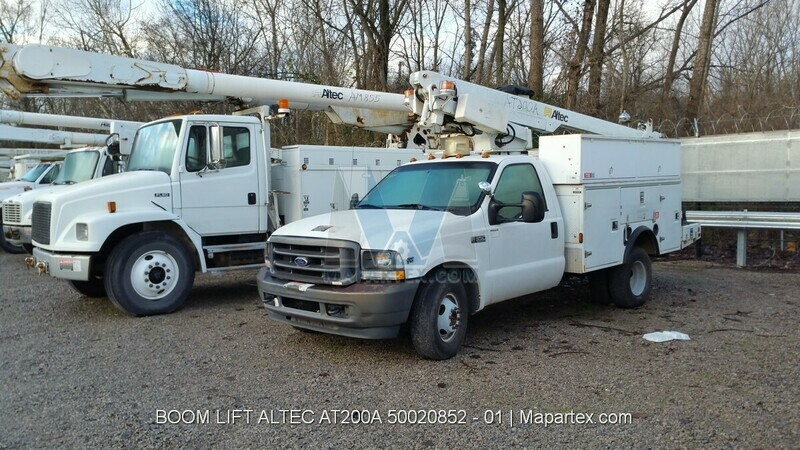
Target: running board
<point x="228" y="269"/>
<point x="225" y="248"/>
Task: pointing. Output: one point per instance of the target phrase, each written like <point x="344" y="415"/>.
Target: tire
<point x="93" y="288"/>
<point x="4" y="244"/>
<point x="149" y="273"/>
<point x="439" y="316"/>
<point x="629" y="284"/>
<point x="598" y="287"/>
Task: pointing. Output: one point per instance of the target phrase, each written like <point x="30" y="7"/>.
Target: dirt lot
<point x="77" y="373"/>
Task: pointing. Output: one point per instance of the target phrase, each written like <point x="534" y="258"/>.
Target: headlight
<point x="382" y="265"/>
<point x="82" y="232"/>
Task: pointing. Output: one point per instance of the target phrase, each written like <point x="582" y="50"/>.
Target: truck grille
<point x="40" y="222"/>
<point x="11" y="213"/>
<point x="319" y="261"/>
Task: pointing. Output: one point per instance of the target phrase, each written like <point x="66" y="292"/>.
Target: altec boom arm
<point x="496" y="120"/>
<point x="38" y="70"/>
<point x="55" y="137"/>
<point x="57" y="120"/>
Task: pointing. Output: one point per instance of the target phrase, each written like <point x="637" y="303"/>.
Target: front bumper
<point x="17" y="234"/>
<point x="362" y="310"/>
<point x="68" y="267"/>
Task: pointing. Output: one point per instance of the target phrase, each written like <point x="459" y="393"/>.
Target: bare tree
<point x="702" y="61"/>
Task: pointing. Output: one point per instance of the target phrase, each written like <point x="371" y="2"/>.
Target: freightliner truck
<point x="200" y="192"/>
<point x="439" y="240"/>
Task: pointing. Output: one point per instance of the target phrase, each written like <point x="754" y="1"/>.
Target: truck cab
<point x="197" y="195"/>
<point x="79" y="165"/>
<point x="39" y="176"/>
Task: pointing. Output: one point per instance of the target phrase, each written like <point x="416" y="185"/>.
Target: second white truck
<point x="438" y="240"/>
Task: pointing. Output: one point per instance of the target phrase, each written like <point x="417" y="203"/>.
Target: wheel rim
<point x="638" y="278"/>
<point x="449" y="317"/>
<point x="154" y="275"/>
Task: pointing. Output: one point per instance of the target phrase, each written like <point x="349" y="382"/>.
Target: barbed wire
<point x="784" y="118"/>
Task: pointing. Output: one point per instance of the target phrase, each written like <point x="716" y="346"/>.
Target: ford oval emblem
<point x="300" y="261"/>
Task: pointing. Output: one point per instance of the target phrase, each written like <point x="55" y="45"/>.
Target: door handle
<point x="251" y="198"/>
<point x="553" y="230"/>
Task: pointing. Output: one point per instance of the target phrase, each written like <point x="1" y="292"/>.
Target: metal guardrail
<point x="744" y="220"/>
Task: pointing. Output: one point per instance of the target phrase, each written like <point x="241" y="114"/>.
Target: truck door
<point x="523" y="257"/>
<point x="221" y="200"/>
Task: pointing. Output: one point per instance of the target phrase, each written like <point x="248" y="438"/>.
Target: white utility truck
<point x="78" y="165"/>
<point x="438" y="240"/>
<point x="200" y="192"/>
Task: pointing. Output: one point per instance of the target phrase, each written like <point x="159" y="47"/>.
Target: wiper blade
<point x="367" y="206"/>
<point x="69" y="182"/>
<point x="418" y="206"/>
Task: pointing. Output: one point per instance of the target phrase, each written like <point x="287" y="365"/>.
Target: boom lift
<point x="440" y="239"/>
<point x="201" y="192"/>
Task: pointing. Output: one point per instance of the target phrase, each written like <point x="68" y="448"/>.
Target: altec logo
<point x="330" y="93"/>
<point x="556" y="114"/>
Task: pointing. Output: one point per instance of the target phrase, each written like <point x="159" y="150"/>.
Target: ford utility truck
<point x="439" y="240"/>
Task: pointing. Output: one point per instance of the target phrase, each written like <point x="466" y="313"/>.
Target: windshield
<point x="77" y="167"/>
<point x="34" y="174"/>
<point x="154" y="147"/>
<point x="439" y="186"/>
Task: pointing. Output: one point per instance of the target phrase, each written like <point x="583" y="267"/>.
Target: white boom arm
<point x="495" y="120"/>
<point x="38" y="70"/>
<point x="42" y="136"/>
<point x="57" y="120"/>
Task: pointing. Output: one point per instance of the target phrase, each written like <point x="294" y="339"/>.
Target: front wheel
<point x="93" y="288"/>
<point x="629" y="284"/>
<point x="438" y="321"/>
<point x="149" y="273"/>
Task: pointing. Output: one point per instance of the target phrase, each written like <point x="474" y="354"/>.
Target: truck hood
<point x="26" y="200"/>
<point x="139" y="195"/>
<point x="415" y="234"/>
<point x="108" y="185"/>
<point x="13" y="187"/>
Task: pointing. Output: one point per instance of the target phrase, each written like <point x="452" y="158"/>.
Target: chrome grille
<point x="40" y="222"/>
<point x="319" y="261"/>
<point x="11" y="213"/>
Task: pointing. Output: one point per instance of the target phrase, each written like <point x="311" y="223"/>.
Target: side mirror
<point x="533" y="208"/>
<point x="216" y="150"/>
<point x="485" y="187"/>
<point x="112" y="144"/>
<point x="354" y="201"/>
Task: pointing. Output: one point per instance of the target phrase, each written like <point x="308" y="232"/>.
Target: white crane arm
<point x="58" y="120"/>
<point x="445" y="104"/>
<point x="42" y="136"/>
<point x="33" y="70"/>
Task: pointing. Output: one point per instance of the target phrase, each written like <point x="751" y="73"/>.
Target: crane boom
<point x="39" y="70"/>
<point x="494" y="119"/>
<point x="42" y="136"/>
<point x="57" y="120"/>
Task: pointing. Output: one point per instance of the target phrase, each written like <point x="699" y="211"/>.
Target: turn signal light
<point x="112" y="207"/>
<point x="580" y="238"/>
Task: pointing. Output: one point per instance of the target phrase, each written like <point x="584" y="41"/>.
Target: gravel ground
<point x="78" y="373"/>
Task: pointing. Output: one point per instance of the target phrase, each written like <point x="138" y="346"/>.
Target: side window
<point x="196" y="149"/>
<point x="236" y="143"/>
<point x="109" y="167"/>
<point x="513" y="182"/>
<point x="47" y="179"/>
